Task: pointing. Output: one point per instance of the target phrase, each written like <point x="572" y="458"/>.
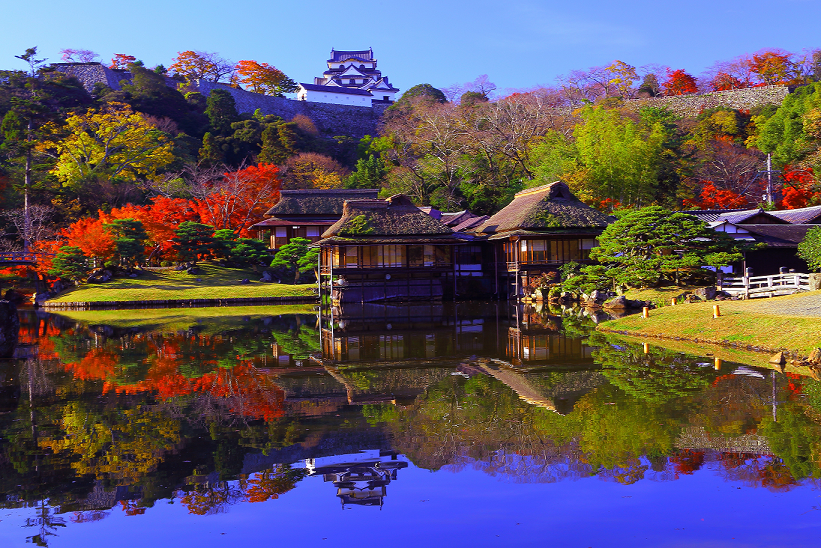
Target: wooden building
<point x="383" y="250"/>
<point x="540" y="230"/>
<point x="306" y="214"/>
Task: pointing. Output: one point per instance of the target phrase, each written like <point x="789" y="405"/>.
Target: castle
<point x="351" y="79"/>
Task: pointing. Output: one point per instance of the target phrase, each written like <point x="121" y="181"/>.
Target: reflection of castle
<point x="361" y="478"/>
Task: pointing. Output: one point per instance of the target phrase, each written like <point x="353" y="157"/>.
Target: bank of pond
<point x="109" y="413"/>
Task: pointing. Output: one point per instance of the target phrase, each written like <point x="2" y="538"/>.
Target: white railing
<point x="765" y="286"/>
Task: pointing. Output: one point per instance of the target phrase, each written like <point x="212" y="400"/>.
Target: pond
<point x="470" y="424"/>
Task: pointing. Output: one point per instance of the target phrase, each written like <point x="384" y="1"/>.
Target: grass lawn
<point x="741" y="322"/>
<point x="661" y="296"/>
<point x="176" y="319"/>
<point x="218" y="282"/>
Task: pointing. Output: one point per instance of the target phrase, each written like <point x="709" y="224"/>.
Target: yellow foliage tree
<point x="113" y="142"/>
<point x="195" y="65"/>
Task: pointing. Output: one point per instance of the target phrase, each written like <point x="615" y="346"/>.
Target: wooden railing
<point x="19" y="257"/>
<point x="765" y="286"/>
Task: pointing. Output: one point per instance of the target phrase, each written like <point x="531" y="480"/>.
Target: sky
<point x="519" y="44"/>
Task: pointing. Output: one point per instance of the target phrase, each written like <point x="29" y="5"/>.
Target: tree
<point x="70" y="55"/>
<point x="623" y="76"/>
<point x="810" y="249"/>
<point x="120" y="61"/>
<point x="30" y="58"/>
<point x="291" y="254"/>
<point x="264" y="78"/>
<point x="679" y="83"/>
<point x="92" y="238"/>
<point x="70" y="263"/>
<point x="129" y="239"/>
<point x="793" y="133"/>
<point x="193" y="240"/>
<point x="195" y="65"/>
<point x="773" y="66"/>
<point x="652" y="244"/>
<point x="369" y="173"/>
<point x="250" y="251"/>
<point x="113" y="142"/>
<point x="221" y="110"/>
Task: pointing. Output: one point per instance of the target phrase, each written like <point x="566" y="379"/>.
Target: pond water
<point x="477" y="424"/>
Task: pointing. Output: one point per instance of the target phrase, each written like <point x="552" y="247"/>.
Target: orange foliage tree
<point x="800" y="189"/>
<point x="91" y="237"/>
<point x="678" y="83"/>
<point x="121" y="61"/>
<point x="263" y="78"/>
<point x="195" y="65"/>
<point x="715" y="198"/>
<point x="239" y="198"/>
<point x="773" y="67"/>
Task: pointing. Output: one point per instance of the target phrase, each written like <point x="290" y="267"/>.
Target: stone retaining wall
<point x="738" y="99"/>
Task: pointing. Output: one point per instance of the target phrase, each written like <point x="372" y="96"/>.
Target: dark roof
<point x="779" y="235"/>
<point x="470" y="223"/>
<point x="317" y="201"/>
<point x="276" y="221"/>
<point x="361" y="54"/>
<point x="711" y="215"/>
<point x="336" y="89"/>
<point x="804" y="215"/>
<point x="550" y="207"/>
<point x="396" y="216"/>
<point x="736" y="216"/>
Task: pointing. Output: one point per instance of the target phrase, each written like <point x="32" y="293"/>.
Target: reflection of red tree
<point x="131" y="509"/>
<point x="687" y="461"/>
<point x="794" y="384"/>
<point x="269" y="485"/>
<point x="776" y="476"/>
<point x="98" y="364"/>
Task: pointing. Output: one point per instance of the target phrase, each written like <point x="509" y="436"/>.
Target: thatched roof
<point x="394" y="217"/>
<point x="317" y="201"/>
<point x="548" y="208"/>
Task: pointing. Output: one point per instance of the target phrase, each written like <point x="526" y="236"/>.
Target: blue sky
<point x="519" y="44"/>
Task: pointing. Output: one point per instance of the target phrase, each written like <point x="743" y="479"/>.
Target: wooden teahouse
<point x="540" y="230"/>
<point x="306" y="213"/>
<point x="383" y="250"/>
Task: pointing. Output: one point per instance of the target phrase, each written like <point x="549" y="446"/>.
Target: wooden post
<point x="645" y="312"/>
<point x="673" y="302"/>
<point x="716" y="311"/>
<point x="646" y="348"/>
<point x="717" y="364"/>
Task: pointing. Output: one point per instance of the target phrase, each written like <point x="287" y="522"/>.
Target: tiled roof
<point x="342" y="55"/>
<point x="734" y="216"/>
<point x="804" y="215"/>
<point x="549" y="207"/>
<point x="336" y="89"/>
<point x="317" y="201"/>
<point x="786" y="235"/>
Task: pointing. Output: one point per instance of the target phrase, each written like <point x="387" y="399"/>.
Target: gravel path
<point x="802" y="304"/>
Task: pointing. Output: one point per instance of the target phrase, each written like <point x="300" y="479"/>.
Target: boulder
<point x="193" y="270"/>
<point x="598" y="296"/>
<point x="266" y="277"/>
<point x="245" y="281"/>
<point x="815" y="356"/>
<point x="100" y="276"/>
<point x="619" y="302"/>
<point x="9" y="328"/>
<point x="14" y="297"/>
<point x="778" y="359"/>
<point x="815" y="281"/>
<point x="706" y="293"/>
<point x="57" y="287"/>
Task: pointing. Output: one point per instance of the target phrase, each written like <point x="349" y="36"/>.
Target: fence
<point x="765" y="286"/>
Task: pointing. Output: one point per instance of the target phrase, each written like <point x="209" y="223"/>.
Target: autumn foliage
<point x="679" y="83"/>
<point x="715" y="198"/>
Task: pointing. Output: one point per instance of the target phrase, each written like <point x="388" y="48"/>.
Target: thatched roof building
<point x="317" y="202"/>
<point x="550" y="208"/>
<point x="394" y="219"/>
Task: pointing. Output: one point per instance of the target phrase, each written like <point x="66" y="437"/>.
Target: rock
<point x="132" y="275"/>
<point x="245" y="281"/>
<point x="14" y="297"/>
<point x="100" y="276"/>
<point x="9" y="328"/>
<point x="566" y="296"/>
<point x="181" y="267"/>
<point x="598" y="296"/>
<point x="815" y="356"/>
<point x="537" y="295"/>
<point x="193" y="270"/>
<point x="198" y="280"/>
<point x="57" y="287"/>
<point x="266" y="277"/>
<point x="706" y="293"/>
<point x="619" y="302"/>
<point x="815" y="281"/>
<point x="778" y="358"/>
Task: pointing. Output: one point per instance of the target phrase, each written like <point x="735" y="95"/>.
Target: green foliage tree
<point x="221" y="110"/>
<point x="291" y="255"/>
<point x="130" y="238"/>
<point x="70" y="263"/>
<point x="652" y="244"/>
<point x="423" y="91"/>
<point x="810" y="249"/>
<point x="793" y="133"/>
<point x="369" y="173"/>
<point x="251" y="252"/>
<point x="193" y="240"/>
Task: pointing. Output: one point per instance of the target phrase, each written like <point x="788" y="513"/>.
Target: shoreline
<point x="174" y="303"/>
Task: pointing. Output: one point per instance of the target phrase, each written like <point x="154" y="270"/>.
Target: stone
<point x="132" y="275"/>
<point x="778" y="358"/>
<point x="619" y="302"/>
<point x="706" y="293"/>
<point x="14" y="297"/>
<point x="598" y="296"/>
<point x="193" y="270"/>
<point x="57" y="287"/>
<point x="815" y="281"/>
<point x="100" y="276"/>
<point x="815" y="356"/>
<point x="245" y="281"/>
<point x="266" y="277"/>
<point x="9" y="328"/>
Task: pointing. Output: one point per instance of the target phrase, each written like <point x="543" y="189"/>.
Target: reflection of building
<point x="361" y="478"/>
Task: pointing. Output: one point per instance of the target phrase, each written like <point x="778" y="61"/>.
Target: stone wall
<point x="329" y="119"/>
<point x="739" y="99"/>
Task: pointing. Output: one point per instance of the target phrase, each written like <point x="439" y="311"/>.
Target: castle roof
<point x="548" y="208"/>
<point x="343" y="55"/>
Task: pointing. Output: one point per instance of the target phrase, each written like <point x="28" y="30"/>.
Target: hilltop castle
<point x="351" y="79"/>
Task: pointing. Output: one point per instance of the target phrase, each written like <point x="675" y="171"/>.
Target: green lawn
<point x="176" y="319"/>
<point x="741" y="322"/>
<point x="217" y="282"/>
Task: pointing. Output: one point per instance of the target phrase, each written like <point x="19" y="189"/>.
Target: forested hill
<point x="620" y="136"/>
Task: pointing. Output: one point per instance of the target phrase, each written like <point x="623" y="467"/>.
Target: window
<point x="351" y="257"/>
<point x="312" y="232"/>
<point x="416" y="255"/>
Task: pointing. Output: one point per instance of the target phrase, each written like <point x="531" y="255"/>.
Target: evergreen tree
<point x="193" y="240"/>
<point x="292" y="257"/>
<point x="369" y="173"/>
<point x="69" y="263"/>
<point x="129" y="238"/>
<point x="221" y="110"/>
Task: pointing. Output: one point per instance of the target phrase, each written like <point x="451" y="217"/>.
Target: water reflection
<point x="99" y="416"/>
